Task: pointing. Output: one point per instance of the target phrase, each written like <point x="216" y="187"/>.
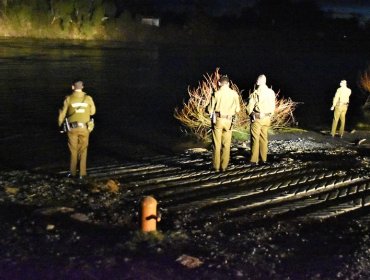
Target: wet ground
<point x="305" y="215"/>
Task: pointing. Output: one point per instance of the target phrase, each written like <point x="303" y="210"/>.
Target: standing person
<point x="76" y="111"/>
<point x="223" y="106"/>
<point x="260" y="108"/>
<point x="340" y="106"/>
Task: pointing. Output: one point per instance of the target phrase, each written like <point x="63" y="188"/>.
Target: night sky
<point x="219" y="7"/>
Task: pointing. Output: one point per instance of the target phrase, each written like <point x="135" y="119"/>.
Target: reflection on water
<point x="137" y="86"/>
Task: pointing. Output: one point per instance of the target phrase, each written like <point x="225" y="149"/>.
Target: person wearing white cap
<point x="340" y="106"/>
<point x="260" y="108"/>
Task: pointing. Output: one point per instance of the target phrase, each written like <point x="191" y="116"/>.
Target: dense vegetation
<point x="69" y="19"/>
<point x="121" y="20"/>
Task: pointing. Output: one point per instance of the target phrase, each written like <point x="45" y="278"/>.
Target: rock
<point x="80" y="217"/>
<point x="55" y="210"/>
<point x="189" y="261"/>
<point x="50" y="227"/>
<point x="11" y="190"/>
<point x="196" y="150"/>
<point x="112" y="185"/>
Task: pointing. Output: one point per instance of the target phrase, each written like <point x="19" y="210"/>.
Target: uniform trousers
<point x="221" y="135"/>
<point x="259" y="139"/>
<point x="339" y="114"/>
<point x="78" y="141"/>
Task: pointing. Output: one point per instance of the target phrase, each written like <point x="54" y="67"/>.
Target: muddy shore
<point x="59" y="228"/>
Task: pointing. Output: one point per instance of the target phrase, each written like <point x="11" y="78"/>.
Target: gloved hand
<point x="332" y="108"/>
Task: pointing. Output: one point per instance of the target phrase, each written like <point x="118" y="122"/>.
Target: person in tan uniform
<point x="260" y="108"/>
<point x="223" y="106"/>
<point x="76" y="112"/>
<point x="340" y="106"/>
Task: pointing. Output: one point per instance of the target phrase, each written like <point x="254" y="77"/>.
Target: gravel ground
<point x="58" y="228"/>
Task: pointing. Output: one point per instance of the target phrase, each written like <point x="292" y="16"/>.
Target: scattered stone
<point x="197" y="150"/>
<point x="50" y="227"/>
<point x="95" y="189"/>
<point x="80" y="217"/>
<point x="219" y="249"/>
<point x="113" y="185"/>
<point x="55" y="210"/>
<point x="11" y="190"/>
<point x="189" y="261"/>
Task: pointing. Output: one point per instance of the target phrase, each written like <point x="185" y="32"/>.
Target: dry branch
<point x="365" y="80"/>
<point x="195" y="118"/>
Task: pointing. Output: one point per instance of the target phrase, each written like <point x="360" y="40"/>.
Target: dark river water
<point x="137" y="86"/>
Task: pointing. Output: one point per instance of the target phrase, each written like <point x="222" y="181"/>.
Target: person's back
<point x="224" y="105"/>
<point x="260" y="108"/>
<point x="227" y="101"/>
<point x="81" y="107"/>
<point x="77" y="109"/>
<point x="266" y="100"/>
<point x="342" y="95"/>
<point x="340" y="106"/>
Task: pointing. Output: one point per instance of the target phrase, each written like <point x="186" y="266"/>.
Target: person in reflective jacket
<point x="77" y="109"/>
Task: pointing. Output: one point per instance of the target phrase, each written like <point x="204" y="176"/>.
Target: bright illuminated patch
<point x="74" y="105"/>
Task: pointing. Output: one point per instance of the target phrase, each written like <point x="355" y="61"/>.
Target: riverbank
<point x="57" y="228"/>
<point x="304" y="216"/>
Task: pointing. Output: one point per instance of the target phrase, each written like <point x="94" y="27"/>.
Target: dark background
<point x="303" y="49"/>
<point x="136" y="88"/>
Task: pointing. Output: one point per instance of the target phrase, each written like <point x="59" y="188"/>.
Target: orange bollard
<point x="149" y="217"/>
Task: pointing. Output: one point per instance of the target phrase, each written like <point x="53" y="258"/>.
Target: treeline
<point x="70" y="19"/>
<point x="120" y="20"/>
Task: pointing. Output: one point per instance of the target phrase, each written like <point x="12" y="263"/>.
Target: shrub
<point x="365" y="80"/>
<point x="196" y="120"/>
<point x="365" y="85"/>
